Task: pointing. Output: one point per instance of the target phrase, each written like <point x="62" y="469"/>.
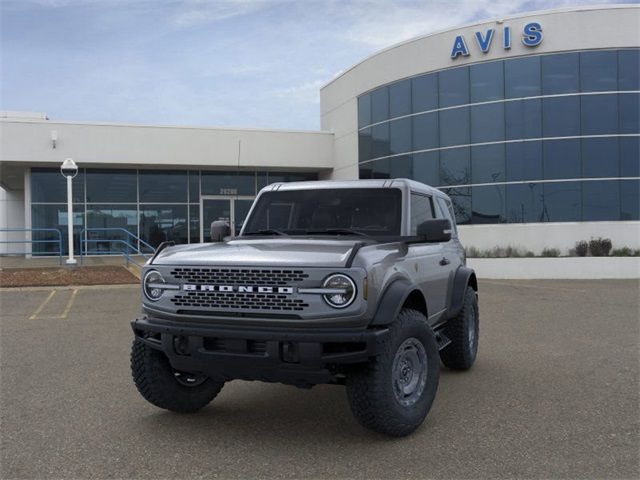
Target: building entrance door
<point x="232" y="210"/>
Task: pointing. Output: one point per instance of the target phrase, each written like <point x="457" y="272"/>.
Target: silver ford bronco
<point x="358" y="283"/>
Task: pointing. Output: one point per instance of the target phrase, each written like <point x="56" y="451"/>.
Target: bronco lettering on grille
<point x="237" y="289"/>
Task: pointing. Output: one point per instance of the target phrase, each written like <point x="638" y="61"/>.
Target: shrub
<point x="529" y="253"/>
<point x="636" y="253"/>
<point x="582" y="247"/>
<point x="473" y="252"/>
<point x="550" y="252"/>
<point x="600" y="247"/>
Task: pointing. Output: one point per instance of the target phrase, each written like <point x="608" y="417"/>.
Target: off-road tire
<point x="370" y="387"/>
<point x="461" y="352"/>
<point x="156" y="382"/>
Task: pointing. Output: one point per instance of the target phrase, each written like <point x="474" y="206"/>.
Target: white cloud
<point x="304" y="93"/>
<point x="197" y="12"/>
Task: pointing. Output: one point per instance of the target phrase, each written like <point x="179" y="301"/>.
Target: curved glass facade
<point x="541" y="138"/>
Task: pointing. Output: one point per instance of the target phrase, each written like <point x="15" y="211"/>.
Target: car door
<point x="426" y="258"/>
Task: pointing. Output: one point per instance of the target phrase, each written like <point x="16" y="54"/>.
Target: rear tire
<point x="166" y="388"/>
<point x="463" y="332"/>
<point x="394" y="392"/>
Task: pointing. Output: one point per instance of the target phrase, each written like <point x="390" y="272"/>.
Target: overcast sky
<point x="247" y="63"/>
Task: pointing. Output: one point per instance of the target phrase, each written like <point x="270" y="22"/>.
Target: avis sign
<point x="531" y="37"/>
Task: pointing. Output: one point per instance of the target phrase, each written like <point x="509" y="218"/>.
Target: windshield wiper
<point x="266" y="231"/>
<point x="337" y="231"/>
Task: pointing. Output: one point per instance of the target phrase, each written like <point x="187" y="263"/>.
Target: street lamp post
<point x="69" y="169"/>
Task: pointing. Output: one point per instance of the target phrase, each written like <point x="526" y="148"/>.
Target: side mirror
<point x="219" y="230"/>
<point x="437" y="230"/>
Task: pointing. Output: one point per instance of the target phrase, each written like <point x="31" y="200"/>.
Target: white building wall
<point x="128" y="145"/>
<point x="12" y="216"/>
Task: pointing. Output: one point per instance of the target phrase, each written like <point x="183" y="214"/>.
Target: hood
<point x="261" y="252"/>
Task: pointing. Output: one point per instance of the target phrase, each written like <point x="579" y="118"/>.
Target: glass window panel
<point x="522" y="77"/>
<point x="487" y="204"/>
<point x="600" y="200"/>
<point x="112" y="186"/>
<point x="524" y="161"/>
<point x="629" y="112"/>
<point x="52" y="216"/>
<point x="400" y="167"/>
<point x="365" y="171"/>
<point x="163" y="223"/>
<point x="163" y="186"/>
<point x="380" y="168"/>
<point x="229" y="183"/>
<point x="599" y="71"/>
<point x="424" y="93"/>
<point x="600" y="157"/>
<point x="365" y="145"/>
<point x="425" y="131"/>
<point x="455" y="168"/>
<point x="447" y="211"/>
<point x="194" y="223"/>
<point x="380" y="140"/>
<point x="524" y="203"/>
<point x="629" y="156"/>
<point x="562" y="201"/>
<point x="599" y="114"/>
<point x="523" y="119"/>
<point x="113" y="220"/>
<point x="364" y="110"/>
<point x="561" y="116"/>
<point x="280" y="177"/>
<point x="380" y="105"/>
<point x="194" y="186"/>
<point x="629" y="69"/>
<point x="461" y="201"/>
<point x="454" y="87"/>
<point x="262" y="180"/>
<point x="487" y="123"/>
<point x="560" y="73"/>
<point x="49" y="186"/>
<point x="561" y="159"/>
<point x="630" y="200"/>
<point x="487" y="81"/>
<point x="426" y="168"/>
<point x="400" y="135"/>
<point x="487" y="164"/>
<point x="421" y="211"/>
<point x="454" y="127"/>
<point x="400" y="98"/>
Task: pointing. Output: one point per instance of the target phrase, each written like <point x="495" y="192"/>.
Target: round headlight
<point x="344" y="290"/>
<point x="150" y="285"/>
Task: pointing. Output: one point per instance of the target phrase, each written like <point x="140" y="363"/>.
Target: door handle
<point x="444" y="261"/>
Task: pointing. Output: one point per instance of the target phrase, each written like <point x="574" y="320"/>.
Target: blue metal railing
<point x="31" y="241"/>
<point x="132" y="244"/>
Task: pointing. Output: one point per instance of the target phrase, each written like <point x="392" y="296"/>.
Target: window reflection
<point x="561" y="159"/>
<point x="487" y="81"/>
<point x="380" y="105"/>
<point x="162" y="223"/>
<point x="424" y="93"/>
<point x="630" y="200"/>
<point x="600" y="200"/>
<point x="454" y="127"/>
<point x="110" y="224"/>
<point x="487" y="123"/>
<point x="454" y="167"/>
<point x="425" y="131"/>
<point x="487" y="164"/>
<point x="163" y="186"/>
<point x="488" y="204"/>
<point x="454" y="87"/>
<point x="560" y="116"/>
<point x="600" y="157"/>
<point x="48" y="185"/>
<point x="400" y="98"/>
<point x="364" y="110"/>
<point x="599" y="114"/>
<point x="426" y="168"/>
<point x="523" y="161"/>
<point x="599" y="71"/>
<point x="522" y="77"/>
<point x="524" y="203"/>
<point x="380" y="140"/>
<point x="560" y="73"/>
<point x="562" y="202"/>
<point x="53" y="216"/>
<point x="111" y="186"/>
<point x="523" y="119"/>
<point x="400" y="136"/>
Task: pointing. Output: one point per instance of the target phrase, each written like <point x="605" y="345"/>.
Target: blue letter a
<point x="459" y="47"/>
<point x="485" y="43"/>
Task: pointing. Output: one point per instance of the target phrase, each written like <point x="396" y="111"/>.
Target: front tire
<point x="394" y="392"/>
<point x="167" y="388"/>
<point x="463" y="332"/>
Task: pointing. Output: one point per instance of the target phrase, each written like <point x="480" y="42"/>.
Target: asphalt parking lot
<point x="554" y="393"/>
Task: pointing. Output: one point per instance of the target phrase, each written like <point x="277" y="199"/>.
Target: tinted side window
<point x="421" y="210"/>
<point x="447" y="210"/>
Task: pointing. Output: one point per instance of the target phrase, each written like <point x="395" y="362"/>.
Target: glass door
<point x="232" y="210"/>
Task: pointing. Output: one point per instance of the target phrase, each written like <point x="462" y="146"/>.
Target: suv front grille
<point x="235" y="276"/>
<point x="245" y="301"/>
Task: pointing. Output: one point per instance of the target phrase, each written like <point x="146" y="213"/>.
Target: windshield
<point x="338" y="211"/>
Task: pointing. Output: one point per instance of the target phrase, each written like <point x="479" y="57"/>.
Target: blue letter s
<point x="532" y="34"/>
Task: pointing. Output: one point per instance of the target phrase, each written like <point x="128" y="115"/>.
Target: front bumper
<point x="298" y="357"/>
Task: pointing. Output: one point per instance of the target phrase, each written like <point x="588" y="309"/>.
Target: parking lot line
<point x="69" y="303"/>
<point x="42" y="305"/>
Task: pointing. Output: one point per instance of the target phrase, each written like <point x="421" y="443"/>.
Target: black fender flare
<point x="463" y="277"/>
<point x="391" y="301"/>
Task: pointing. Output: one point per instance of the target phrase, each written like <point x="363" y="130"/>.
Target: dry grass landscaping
<point x="61" y="276"/>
